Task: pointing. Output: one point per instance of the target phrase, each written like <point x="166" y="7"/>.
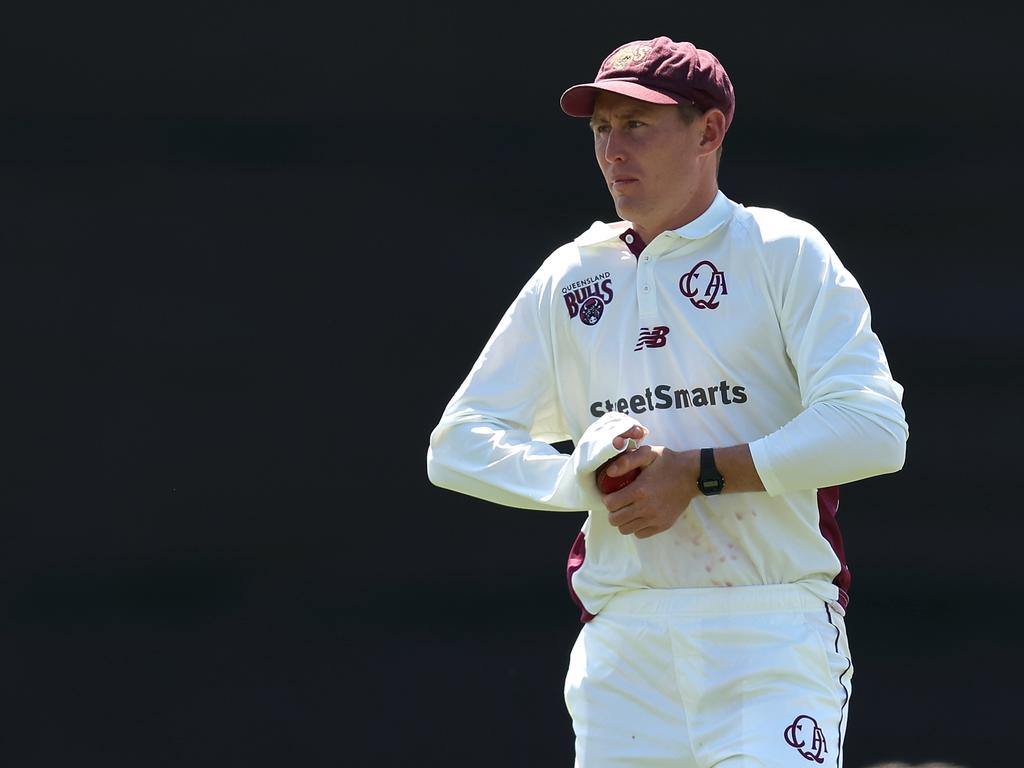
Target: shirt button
<point x="647" y="289"/>
<point x="629" y="239"/>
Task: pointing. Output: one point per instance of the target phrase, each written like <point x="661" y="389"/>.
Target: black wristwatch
<point x="710" y="482"/>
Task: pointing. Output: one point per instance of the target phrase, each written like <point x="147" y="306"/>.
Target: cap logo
<point x="631" y="54"/>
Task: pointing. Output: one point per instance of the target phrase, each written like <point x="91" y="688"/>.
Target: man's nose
<point x="614" y="148"/>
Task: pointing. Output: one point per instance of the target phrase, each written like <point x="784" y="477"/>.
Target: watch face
<point x="710" y="486"/>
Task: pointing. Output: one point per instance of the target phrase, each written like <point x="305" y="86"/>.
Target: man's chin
<point x="626" y="209"/>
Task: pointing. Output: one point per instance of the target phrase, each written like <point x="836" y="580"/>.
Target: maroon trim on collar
<point x="637" y="246"/>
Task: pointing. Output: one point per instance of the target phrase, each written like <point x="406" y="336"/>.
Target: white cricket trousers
<point x="722" y="677"/>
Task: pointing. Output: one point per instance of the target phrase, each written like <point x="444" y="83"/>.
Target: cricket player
<point x="725" y="352"/>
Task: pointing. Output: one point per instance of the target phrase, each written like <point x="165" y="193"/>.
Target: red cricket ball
<point x="609" y="484"/>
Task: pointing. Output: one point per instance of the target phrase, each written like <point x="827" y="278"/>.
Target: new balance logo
<point x="652" y="338"/>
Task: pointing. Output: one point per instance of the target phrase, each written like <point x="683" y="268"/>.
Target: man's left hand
<point x="654" y="501"/>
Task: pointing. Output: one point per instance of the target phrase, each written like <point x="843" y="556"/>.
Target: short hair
<point x="690" y="112"/>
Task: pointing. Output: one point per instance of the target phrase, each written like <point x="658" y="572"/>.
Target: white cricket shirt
<point x="741" y="327"/>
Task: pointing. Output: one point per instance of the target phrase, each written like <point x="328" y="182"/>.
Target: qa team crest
<point x="707" y="276"/>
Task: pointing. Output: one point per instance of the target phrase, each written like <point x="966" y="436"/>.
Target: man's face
<point x="648" y="156"/>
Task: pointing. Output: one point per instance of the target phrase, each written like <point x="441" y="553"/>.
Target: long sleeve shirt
<point x="742" y="326"/>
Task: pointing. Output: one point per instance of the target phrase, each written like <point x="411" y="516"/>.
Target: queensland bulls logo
<point x="804" y="735"/>
<point x="587" y="298"/>
<point x="703" y="284"/>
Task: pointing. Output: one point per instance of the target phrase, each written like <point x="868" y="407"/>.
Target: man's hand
<point x="654" y="501"/>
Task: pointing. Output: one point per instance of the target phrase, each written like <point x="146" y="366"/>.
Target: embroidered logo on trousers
<point x="804" y="735"/>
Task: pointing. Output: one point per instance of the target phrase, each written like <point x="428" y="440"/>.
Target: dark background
<point x="250" y="250"/>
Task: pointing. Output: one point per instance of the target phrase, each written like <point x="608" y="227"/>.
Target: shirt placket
<point x="646" y="293"/>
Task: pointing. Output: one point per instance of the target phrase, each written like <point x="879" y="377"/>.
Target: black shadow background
<point x="250" y="250"/>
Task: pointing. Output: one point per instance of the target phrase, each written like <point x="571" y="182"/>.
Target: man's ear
<point x="713" y="124"/>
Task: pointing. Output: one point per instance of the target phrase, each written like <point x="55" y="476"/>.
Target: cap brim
<point x="578" y="101"/>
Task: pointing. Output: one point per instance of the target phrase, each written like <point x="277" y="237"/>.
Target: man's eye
<point x="601" y="129"/>
<point x="635" y="124"/>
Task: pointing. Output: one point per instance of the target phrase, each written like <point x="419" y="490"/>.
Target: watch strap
<point x="710" y="481"/>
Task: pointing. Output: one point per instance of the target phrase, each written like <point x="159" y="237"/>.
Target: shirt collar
<point x="717" y="214"/>
<point x="600" y="232"/>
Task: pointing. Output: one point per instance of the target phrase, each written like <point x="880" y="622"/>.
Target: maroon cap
<point x="659" y="71"/>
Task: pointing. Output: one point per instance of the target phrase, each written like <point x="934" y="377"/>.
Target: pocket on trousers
<point x="834" y="663"/>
